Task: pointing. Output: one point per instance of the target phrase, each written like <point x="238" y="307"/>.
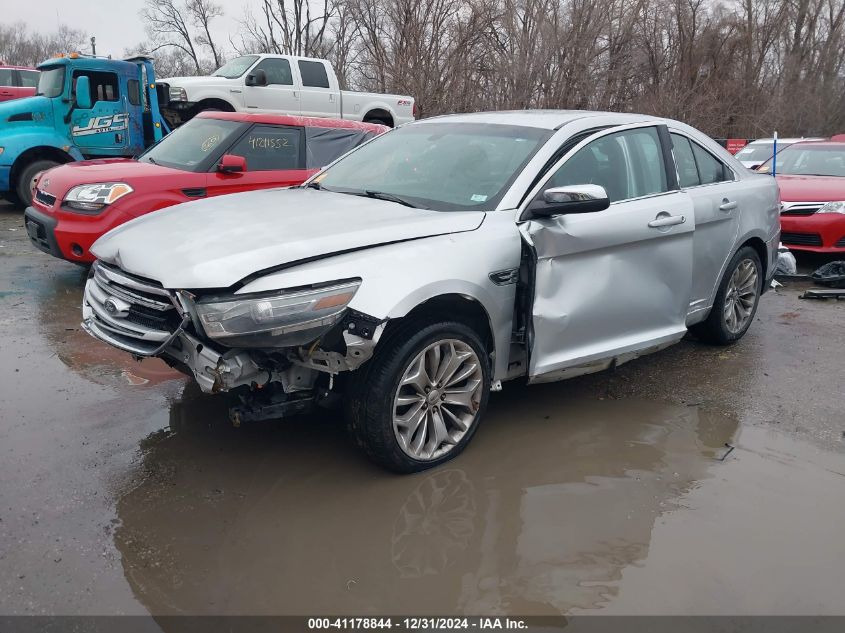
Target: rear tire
<point x="418" y="402"/>
<point x="26" y="179"/>
<point x="736" y="300"/>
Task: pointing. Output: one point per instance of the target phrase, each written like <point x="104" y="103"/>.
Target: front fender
<point x="396" y="278"/>
<point x="18" y="141"/>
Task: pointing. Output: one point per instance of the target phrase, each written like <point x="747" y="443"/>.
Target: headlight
<point x="833" y="207"/>
<point x="280" y="320"/>
<point x="1" y="150"/>
<point x="94" y="198"/>
<point x="178" y="94"/>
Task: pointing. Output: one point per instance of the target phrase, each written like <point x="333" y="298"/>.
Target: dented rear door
<point x="614" y="283"/>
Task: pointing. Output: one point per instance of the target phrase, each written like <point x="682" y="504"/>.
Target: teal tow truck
<point x="85" y="107"/>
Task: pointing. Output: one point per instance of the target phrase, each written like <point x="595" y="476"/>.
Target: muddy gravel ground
<point x="123" y="490"/>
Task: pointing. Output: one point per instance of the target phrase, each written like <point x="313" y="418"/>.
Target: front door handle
<point x="664" y="219"/>
<point x="235" y="90"/>
<point x="727" y="205"/>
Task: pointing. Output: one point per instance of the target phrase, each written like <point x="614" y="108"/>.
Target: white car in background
<point x="758" y="152"/>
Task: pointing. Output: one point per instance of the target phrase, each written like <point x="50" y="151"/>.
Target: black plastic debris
<point x="831" y="274"/>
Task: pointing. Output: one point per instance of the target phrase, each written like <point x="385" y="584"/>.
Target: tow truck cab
<point x="85" y="107"/>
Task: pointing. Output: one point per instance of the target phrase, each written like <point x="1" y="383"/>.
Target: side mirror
<point x="256" y="78"/>
<point x="569" y="199"/>
<point x="231" y="164"/>
<point x="83" y="93"/>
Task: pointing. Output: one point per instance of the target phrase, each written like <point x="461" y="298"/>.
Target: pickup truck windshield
<point x="51" y="82"/>
<point x="236" y="67"/>
<point x="193" y="146"/>
<point x="438" y="166"/>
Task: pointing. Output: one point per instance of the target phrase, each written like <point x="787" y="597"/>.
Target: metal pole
<point x="775" y="155"/>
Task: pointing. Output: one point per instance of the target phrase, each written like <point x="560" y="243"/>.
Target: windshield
<point x="439" y="166"/>
<point x="235" y="68"/>
<point x="756" y="151"/>
<point x="51" y="82"/>
<point x="809" y="160"/>
<point x="193" y="146"/>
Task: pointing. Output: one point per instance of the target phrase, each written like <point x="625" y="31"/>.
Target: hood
<point x="187" y="82"/>
<point x="25" y="111"/>
<point x="811" y="188"/>
<point x="59" y="180"/>
<point x="217" y="242"/>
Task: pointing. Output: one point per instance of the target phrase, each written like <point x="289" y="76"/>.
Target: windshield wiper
<point x="381" y="195"/>
<point x="317" y="186"/>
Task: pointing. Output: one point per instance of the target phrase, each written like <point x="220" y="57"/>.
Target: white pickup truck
<point x="282" y="84"/>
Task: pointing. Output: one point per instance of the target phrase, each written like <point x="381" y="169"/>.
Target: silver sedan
<point x="424" y="269"/>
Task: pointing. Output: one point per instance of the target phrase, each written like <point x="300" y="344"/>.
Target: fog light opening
<point x="76" y="249"/>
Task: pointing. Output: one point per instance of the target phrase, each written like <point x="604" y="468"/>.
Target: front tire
<point x="419" y="400"/>
<point x="736" y="300"/>
<point x="27" y="177"/>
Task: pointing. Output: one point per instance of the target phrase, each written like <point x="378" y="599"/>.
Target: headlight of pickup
<point x="94" y="198"/>
<point x="178" y="94"/>
<point x="285" y="319"/>
<point x="833" y="207"/>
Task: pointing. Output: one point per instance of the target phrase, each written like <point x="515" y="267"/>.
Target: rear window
<point x="6" y="77"/>
<point x="313" y="74"/>
<point x="324" y="145"/>
<point x="133" y="91"/>
<point x="269" y="147"/>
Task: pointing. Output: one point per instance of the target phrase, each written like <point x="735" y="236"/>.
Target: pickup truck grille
<point x="127" y="311"/>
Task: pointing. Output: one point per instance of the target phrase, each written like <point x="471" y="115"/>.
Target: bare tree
<point x="170" y="25"/>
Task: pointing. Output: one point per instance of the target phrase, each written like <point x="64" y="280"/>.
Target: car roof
<point x="293" y="120"/>
<point x="17" y="67"/>
<point x="545" y="119"/>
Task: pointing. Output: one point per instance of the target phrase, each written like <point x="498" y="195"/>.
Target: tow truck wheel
<point x="419" y="400"/>
<point x="28" y="176"/>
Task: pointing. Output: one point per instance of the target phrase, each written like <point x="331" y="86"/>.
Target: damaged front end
<point x="281" y="350"/>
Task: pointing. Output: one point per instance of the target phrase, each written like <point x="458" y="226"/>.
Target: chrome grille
<point x="800" y="208"/>
<point x="128" y="311"/>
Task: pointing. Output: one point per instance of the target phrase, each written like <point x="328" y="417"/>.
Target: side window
<point x="685" y="161"/>
<point x="267" y="147"/>
<point x="29" y="78"/>
<point x="313" y="74"/>
<point x="133" y="91"/>
<point x="277" y="71"/>
<point x="710" y="168"/>
<point x="103" y="85"/>
<point x="323" y="145"/>
<point x="627" y="164"/>
<point x="6" y="78"/>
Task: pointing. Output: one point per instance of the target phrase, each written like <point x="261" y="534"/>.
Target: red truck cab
<point x="213" y="154"/>
<point x="811" y="178"/>
<point x="17" y="82"/>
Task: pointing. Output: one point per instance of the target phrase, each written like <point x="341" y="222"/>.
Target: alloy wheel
<point x="437" y="400"/>
<point x="741" y="296"/>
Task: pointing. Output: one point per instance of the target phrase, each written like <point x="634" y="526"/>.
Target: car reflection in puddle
<point x="554" y="499"/>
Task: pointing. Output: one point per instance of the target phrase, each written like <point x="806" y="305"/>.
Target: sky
<point x="115" y="23"/>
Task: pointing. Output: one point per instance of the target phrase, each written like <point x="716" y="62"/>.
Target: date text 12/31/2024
<point x="416" y="623"/>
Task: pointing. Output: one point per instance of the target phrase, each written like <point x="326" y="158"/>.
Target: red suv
<point x="213" y="154"/>
<point x="811" y="177"/>
<point x="17" y="82"/>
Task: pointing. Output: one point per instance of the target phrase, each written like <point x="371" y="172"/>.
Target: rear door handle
<point x="727" y="205"/>
<point x="666" y="220"/>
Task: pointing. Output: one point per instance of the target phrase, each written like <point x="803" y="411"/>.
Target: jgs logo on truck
<point x="101" y="124"/>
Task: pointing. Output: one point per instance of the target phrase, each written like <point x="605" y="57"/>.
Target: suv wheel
<point x="418" y="402"/>
<point x="736" y="300"/>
